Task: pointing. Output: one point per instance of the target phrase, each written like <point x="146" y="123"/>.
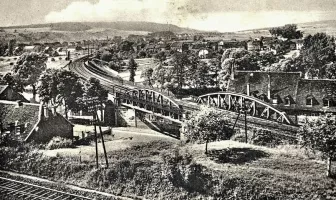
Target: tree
<point x="142" y="54"/>
<point x="162" y="76"/>
<point x="28" y="69"/>
<point x="206" y="125"/>
<point x="13" y="82"/>
<point x="147" y="74"/>
<point x="70" y="89"/>
<point x="330" y="71"/>
<point x="161" y="56"/>
<point x="288" y="31"/>
<point x="132" y="66"/>
<point x="126" y="46"/>
<point x="106" y="56"/>
<point x="61" y="87"/>
<point x="183" y="64"/>
<point x="215" y="67"/>
<point x="320" y="135"/>
<point x="236" y="59"/>
<point x="199" y="77"/>
<point x="115" y="65"/>
<point x="242" y="59"/>
<point x="317" y="54"/>
<point x="267" y="59"/>
<point x="94" y="90"/>
<point x="47" y="87"/>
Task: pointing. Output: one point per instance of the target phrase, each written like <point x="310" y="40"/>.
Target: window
<point x="309" y="100"/>
<point x="287" y="101"/>
<point x="263" y="97"/>
<point x="328" y="102"/>
<point x="275" y="99"/>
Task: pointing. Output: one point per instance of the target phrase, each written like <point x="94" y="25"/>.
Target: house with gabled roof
<point x="7" y="93"/>
<point x="32" y="122"/>
<point x="288" y="91"/>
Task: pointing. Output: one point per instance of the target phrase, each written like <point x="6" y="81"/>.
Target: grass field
<point x="152" y="166"/>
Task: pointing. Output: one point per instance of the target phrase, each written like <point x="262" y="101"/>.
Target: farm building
<point x="7" y="93"/>
<point x="32" y="122"/>
<point x="288" y="91"/>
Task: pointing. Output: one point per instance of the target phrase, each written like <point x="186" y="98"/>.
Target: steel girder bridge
<point x="260" y="114"/>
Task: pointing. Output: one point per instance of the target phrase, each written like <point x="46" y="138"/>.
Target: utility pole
<point x="102" y="138"/>
<point x="234" y="125"/>
<point x="96" y="142"/>
<point x="245" y="121"/>
<point x="135" y="119"/>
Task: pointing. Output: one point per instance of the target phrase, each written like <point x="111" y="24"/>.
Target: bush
<point x="239" y="137"/>
<point x="265" y="138"/>
<point x="181" y="171"/>
<point x="58" y="143"/>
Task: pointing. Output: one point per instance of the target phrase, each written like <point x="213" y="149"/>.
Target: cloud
<point x="115" y="10"/>
<point x="228" y="15"/>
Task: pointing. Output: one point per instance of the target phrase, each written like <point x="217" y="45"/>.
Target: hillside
<point x="327" y="26"/>
<point x="153" y="166"/>
<point x="125" y="26"/>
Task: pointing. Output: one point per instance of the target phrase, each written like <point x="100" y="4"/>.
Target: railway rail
<point x="86" y="70"/>
<point x="17" y="190"/>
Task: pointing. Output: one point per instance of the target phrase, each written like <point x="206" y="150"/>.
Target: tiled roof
<point x="319" y="90"/>
<point x="27" y="114"/>
<point x="282" y="84"/>
<point x="176" y="44"/>
<point x="287" y="85"/>
<point x="3" y="88"/>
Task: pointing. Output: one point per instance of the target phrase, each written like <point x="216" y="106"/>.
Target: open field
<point x="5" y="63"/>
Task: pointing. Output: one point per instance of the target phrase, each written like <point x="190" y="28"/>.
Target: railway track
<point x="85" y="70"/>
<point x="17" y="190"/>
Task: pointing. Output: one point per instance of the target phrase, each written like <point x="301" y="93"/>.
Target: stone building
<point x="32" y="122"/>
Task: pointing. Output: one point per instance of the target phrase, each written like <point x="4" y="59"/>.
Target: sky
<point x="210" y="15"/>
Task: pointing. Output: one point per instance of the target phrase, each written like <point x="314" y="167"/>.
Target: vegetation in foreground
<point x="230" y="170"/>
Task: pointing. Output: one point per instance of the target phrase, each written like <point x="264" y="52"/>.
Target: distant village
<point x="205" y="45"/>
<point x="255" y="67"/>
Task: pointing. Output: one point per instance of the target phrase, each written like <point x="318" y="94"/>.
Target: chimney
<point x="45" y="112"/>
<point x="269" y="87"/>
<point x="19" y="103"/>
<point x="248" y="89"/>
<point x="53" y="110"/>
<point x="232" y="71"/>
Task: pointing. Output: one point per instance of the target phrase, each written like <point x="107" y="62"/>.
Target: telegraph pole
<point x="102" y="138"/>
<point x="96" y="142"/>
<point x="245" y="121"/>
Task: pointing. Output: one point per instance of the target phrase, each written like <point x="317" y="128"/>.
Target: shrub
<point x="239" y="137"/>
<point x="206" y="125"/>
<point x="265" y="138"/>
<point x="58" y="143"/>
<point x="181" y="171"/>
<point x="8" y="140"/>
